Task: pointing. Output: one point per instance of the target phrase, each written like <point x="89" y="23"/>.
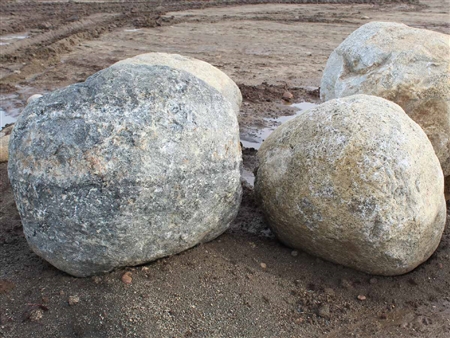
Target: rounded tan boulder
<point x="202" y="70"/>
<point x="4" y="141"/>
<point x="408" y="66"/>
<point x="354" y="181"/>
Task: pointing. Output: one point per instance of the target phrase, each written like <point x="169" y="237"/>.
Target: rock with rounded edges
<point x="34" y="97"/>
<point x="4" y="141"/>
<point x="203" y="70"/>
<point x="354" y="181"/>
<point x="408" y="66"/>
<point x="137" y="163"/>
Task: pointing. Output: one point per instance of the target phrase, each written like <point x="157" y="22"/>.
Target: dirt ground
<point x="245" y="283"/>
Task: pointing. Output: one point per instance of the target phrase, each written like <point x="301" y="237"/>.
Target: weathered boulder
<point x="203" y="70"/>
<point x="34" y="97"/>
<point x="4" y="141"/>
<point x="354" y="181"/>
<point x="408" y="66"/>
<point x="136" y="163"/>
<point x="6" y="132"/>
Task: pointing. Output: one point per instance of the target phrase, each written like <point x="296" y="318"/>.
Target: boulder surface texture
<point x="203" y="70"/>
<point x="354" y="181"/>
<point x="136" y="163"/>
<point x="408" y="66"/>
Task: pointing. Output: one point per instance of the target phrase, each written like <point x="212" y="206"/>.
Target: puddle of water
<point x="7" y="39"/>
<point x="5" y="119"/>
<point x="249" y="177"/>
<point x="11" y="105"/>
<point x="254" y="137"/>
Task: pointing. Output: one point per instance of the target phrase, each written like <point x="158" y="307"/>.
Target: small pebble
<point x="294" y="253"/>
<point x="361" y="297"/>
<point x="299" y="320"/>
<point x="263" y="265"/>
<point x="73" y="300"/>
<point x="126" y="278"/>
<point x="36" y="315"/>
<point x="287" y="96"/>
<point x="373" y="281"/>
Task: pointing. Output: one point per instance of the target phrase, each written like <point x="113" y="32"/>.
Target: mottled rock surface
<point x="136" y="163"/>
<point x="354" y="181"/>
<point x="203" y="70"/>
<point x="408" y="66"/>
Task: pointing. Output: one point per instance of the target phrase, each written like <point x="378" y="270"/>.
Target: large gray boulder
<point x="201" y="69"/>
<point x="354" y="181"/>
<point x="408" y="66"/>
<point x="136" y="163"/>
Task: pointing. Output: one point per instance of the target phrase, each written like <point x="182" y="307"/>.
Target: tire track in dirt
<point x="171" y="5"/>
<point x="55" y="35"/>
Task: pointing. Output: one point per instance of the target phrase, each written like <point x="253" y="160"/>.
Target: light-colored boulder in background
<point x="137" y="163"/>
<point x="408" y="66"/>
<point x="354" y="181"/>
<point x="5" y="134"/>
<point x="4" y="141"/>
<point x="34" y="97"/>
<point x="203" y="70"/>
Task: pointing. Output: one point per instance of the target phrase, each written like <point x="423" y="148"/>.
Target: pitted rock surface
<point x="136" y="163"/>
<point x="354" y="181"/>
<point x="203" y="70"/>
<point x="408" y="66"/>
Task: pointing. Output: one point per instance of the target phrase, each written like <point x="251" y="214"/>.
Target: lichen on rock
<point x="136" y="163"/>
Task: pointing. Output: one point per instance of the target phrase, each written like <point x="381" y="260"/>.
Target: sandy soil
<point x="244" y="284"/>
